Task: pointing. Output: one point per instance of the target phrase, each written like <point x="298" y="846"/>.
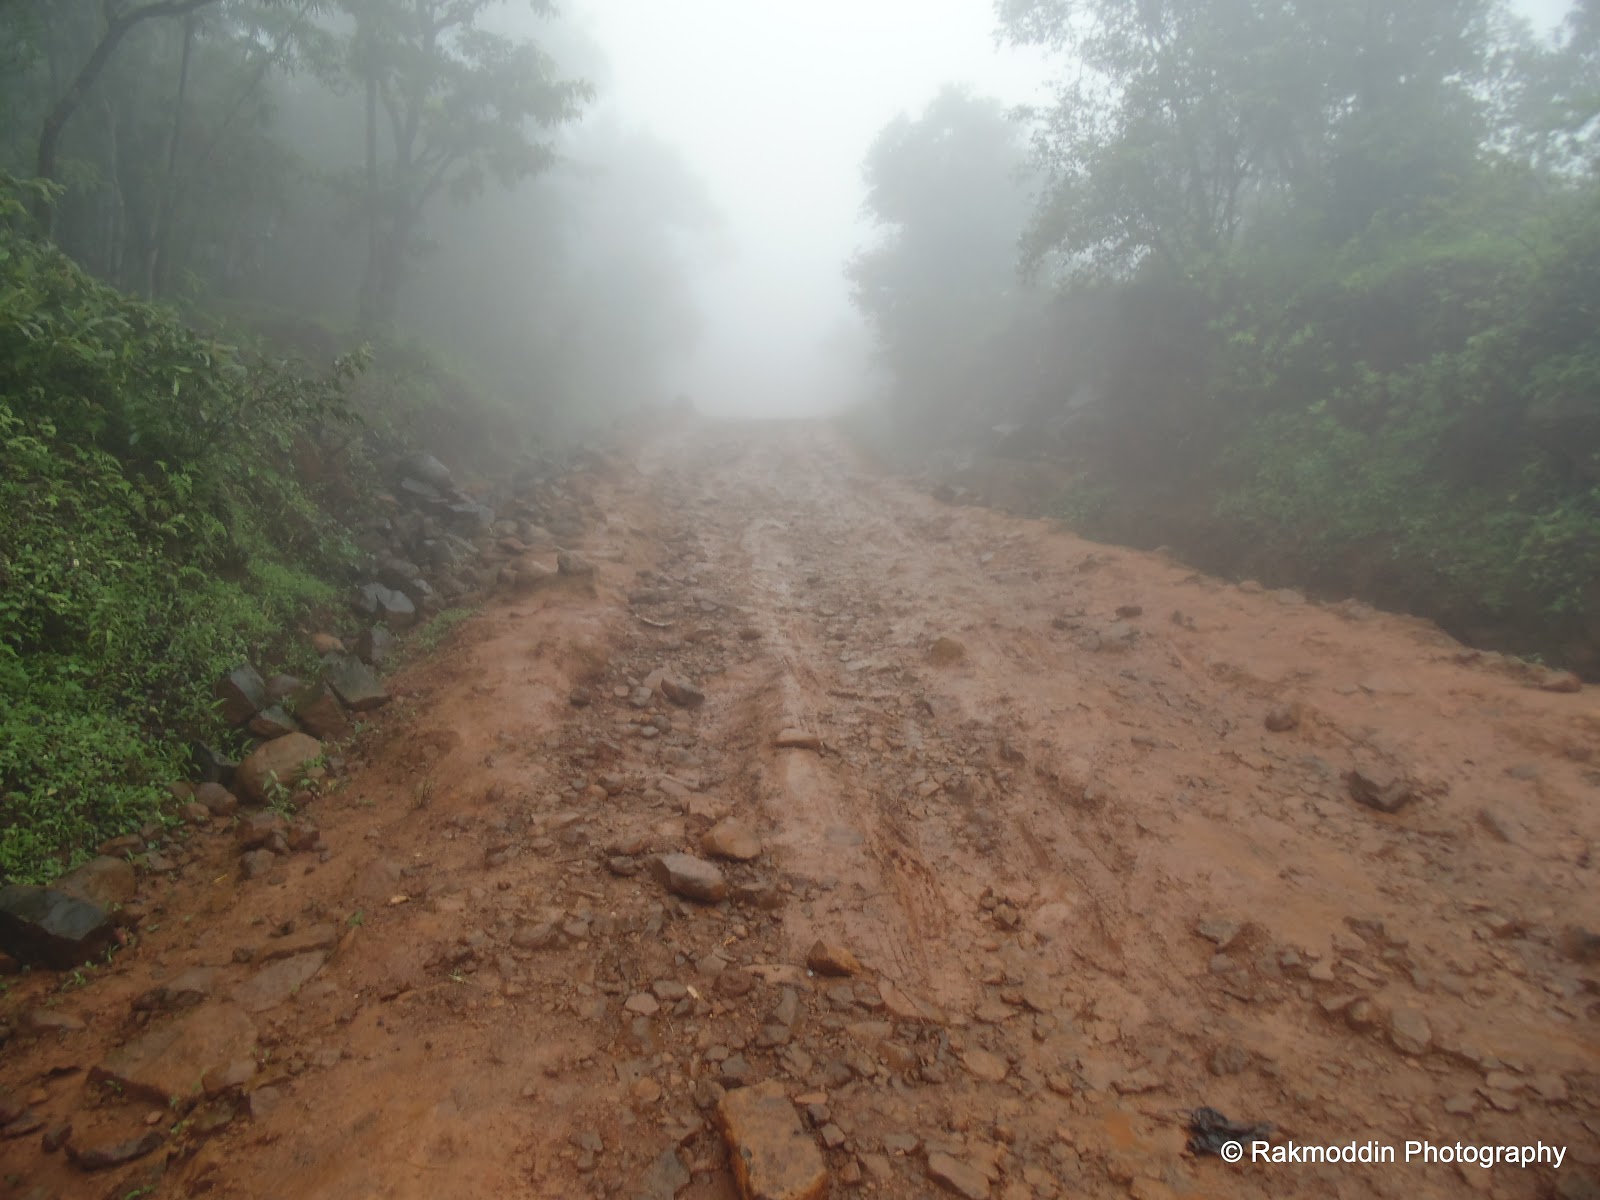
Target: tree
<point x="119" y="20"/>
<point x="1186" y="120"/>
<point x="949" y="193"/>
<point x="456" y="103"/>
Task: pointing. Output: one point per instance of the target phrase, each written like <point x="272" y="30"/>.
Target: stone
<point x="429" y="470"/>
<point x="664" y="1178"/>
<point x="390" y="607"/>
<point x="797" y="739"/>
<point x="958" y="1177"/>
<point x="103" y="881"/>
<point x="241" y="694"/>
<point x="731" y="838"/>
<point x="830" y="958"/>
<point x="281" y="760"/>
<point x="574" y="566"/>
<point x="281" y="687"/>
<point x="946" y="650"/>
<point x="217" y="799"/>
<point x="990" y="1068"/>
<point x="375" y="645"/>
<point x="1559" y="681"/>
<point x="257" y="829"/>
<point x="184" y="990"/>
<point x="103" y="1155"/>
<point x="326" y="643"/>
<point x="1384" y="795"/>
<point x="688" y="876"/>
<point x="355" y="683"/>
<point x="320" y="713"/>
<point x="42" y="926"/>
<point x="772" y="1156"/>
<point x="681" y="692"/>
<point x="278" y="982"/>
<point x="166" y="1063"/>
<point x="1283" y="718"/>
<point x="272" y="723"/>
<point x="1408" y="1030"/>
<point x="210" y="764"/>
<point x="255" y="863"/>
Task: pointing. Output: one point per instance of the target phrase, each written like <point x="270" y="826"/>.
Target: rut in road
<point x="1090" y="889"/>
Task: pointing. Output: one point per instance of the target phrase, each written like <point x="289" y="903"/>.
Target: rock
<point x="51" y="928"/>
<point x="281" y="760"/>
<point x="281" y="687"/>
<point x="773" y="1158"/>
<point x="580" y="697"/>
<point x="103" y="1155"/>
<point x="392" y="608"/>
<point x="830" y="958"/>
<point x="278" y="982"/>
<point x="320" y="713"/>
<point x="1387" y="796"/>
<point x="574" y="566"/>
<point x="256" y="863"/>
<point x="272" y="723"/>
<point x="166" y="1063"/>
<point x="229" y="1077"/>
<point x="1283" y="718"/>
<point x="686" y="875"/>
<point x="958" y="1177"/>
<point x="195" y="813"/>
<point x="258" y="829"/>
<point x="375" y="645"/>
<point x="326" y="643"/>
<point x="104" y="881"/>
<point x="990" y="1068"/>
<point x="664" y="1178"/>
<point x="1127" y="612"/>
<point x="1408" y="1030"/>
<point x="797" y="739"/>
<point x="219" y="801"/>
<point x="429" y="470"/>
<point x="731" y="838"/>
<point x="945" y="651"/>
<point x="242" y="694"/>
<point x="1558" y="681"/>
<point x="210" y="764"/>
<point x="184" y="990"/>
<point x="354" y="683"/>
<point x="681" y="692"/>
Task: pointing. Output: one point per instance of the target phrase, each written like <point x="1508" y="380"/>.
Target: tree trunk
<point x="161" y="235"/>
<point x="55" y="122"/>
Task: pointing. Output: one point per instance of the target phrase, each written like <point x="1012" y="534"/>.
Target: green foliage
<point x="156" y="534"/>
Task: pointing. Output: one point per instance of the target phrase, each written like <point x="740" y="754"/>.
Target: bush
<point x="155" y="533"/>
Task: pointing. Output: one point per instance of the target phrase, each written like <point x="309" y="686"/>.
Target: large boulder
<point x="51" y="928"/>
<point x="241" y="694"/>
<point x="320" y="712"/>
<point x="428" y="469"/>
<point x="282" y="759"/>
<point x="356" y="684"/>
<point x="393" y="608"/>
<point x="104" y="881"/>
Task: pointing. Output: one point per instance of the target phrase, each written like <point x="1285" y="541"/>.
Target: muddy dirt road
<point x="1088" y="888"/>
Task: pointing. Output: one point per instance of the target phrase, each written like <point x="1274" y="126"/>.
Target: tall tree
<point x="119" y="20"/>
<point x="449" y="105"/>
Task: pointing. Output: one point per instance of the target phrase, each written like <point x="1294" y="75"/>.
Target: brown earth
<point x="1089" y="890"/>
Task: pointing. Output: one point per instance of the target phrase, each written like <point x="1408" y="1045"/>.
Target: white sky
<point x="774" y="103"/>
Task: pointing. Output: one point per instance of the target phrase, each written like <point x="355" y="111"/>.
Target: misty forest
<point x="1016" y="641"/>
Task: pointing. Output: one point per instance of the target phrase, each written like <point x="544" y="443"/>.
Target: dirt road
<point x="1088" y="888"/>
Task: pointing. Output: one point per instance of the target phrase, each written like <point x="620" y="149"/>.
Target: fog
<point x="775" y="106"/>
